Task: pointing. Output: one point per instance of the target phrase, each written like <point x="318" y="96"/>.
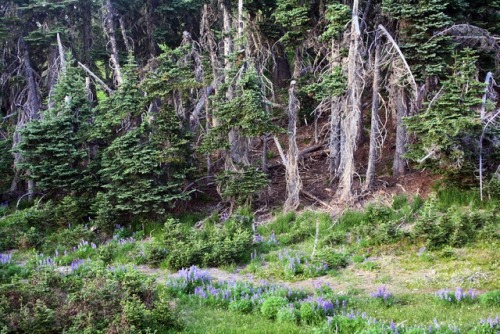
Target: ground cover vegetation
<point x="158" y="137"/>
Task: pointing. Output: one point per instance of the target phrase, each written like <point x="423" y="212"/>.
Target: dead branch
<point x="96" y="78"/>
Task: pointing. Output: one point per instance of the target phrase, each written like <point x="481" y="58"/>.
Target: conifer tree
<point x="418" y="21"/>
<point x="54" y="148"/>
<point x="447" y="132"/>
<point x="145" y="163"/>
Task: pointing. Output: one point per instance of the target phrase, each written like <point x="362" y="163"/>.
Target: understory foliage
<point x="91" y="299"/>
<point x="216" y="244"/>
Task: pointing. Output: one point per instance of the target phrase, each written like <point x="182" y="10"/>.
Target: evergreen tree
<point x="144" y="166"/>
<point x="418" y="21"/>
<point x="54" y="148"/>
<point x="447" y="132"/>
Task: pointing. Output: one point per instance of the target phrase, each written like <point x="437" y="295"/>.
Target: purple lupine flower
<point x="5" y="258"/>
<point x="223" y="216"/>
<point x="75" y="264"/>
<point x="382" y="293"/>
<point x="492" y="322"/>
<point x="472" y="294"/>
<point x="272" y="239"/>
<point x="257" y="238"/>
<point x="194" y="274"/>
<point x="199" y="291"/>
<point x="93" y="245"/>
<point x="47" y="262"/>
<point x="393" y="327"/>
<point x="459" y="294"/>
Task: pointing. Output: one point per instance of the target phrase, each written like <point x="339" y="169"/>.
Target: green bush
<point x="332" y="258"/>
<point x="286" y="315"/>
<point x="24" y="228"/>
<point x="307" y="313"/>
<point x="491" y="298"/>
<point x="455" y="227"/>
<point x="153" y="254"/>
<point x="272" y="305"/>
<point x="213" y="245"/>
<point x="93" y="300"/>
<point x="241" y="305"/>
<point x="67" y="238"/>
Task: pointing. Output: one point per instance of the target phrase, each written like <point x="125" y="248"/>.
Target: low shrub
<point x="287" y="314"/>
<point x="332" y="258"/>
<point x="491" y="298"/>
<point x="214" y="245"/>
<point x="455" y="227"/>
<point x="91" y="299"/>
<point x="272" y="305"/>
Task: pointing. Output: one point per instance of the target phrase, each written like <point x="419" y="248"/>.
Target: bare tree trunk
<point x="352" y="118"/>
<point x="399" y="163"/>
<point x="110" y="29"/>
<point x="238" y="143"/>
<point x="488" y="82"/>
<point x="124" y="35"/>
<point x="240" y="22"/>
<point x="335" y="138"/>
<point x="264" y="153"/>
<point x="293" y="181"/>
<point x="86" y="29"/>
<point x="374" y="131"/>
<point x="31" y="109"/>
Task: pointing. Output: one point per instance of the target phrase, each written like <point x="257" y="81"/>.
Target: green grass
<point x="423" y="309"/>
<point x="204" y="320"/>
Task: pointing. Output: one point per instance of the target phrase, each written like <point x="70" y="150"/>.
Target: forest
<point x="242" y="166"/>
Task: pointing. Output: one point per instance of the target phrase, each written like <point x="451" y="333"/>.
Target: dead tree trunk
<point x="374" y="130"/>
<point x="399" y="163"/>
<point x="126" y="40"/>
<point x="293" y="181"/>
<point x="334" y="138"/>
<point x="238" y="143"/>
<point x="31" y="110"/>
<point x="110" y="29"/>
<point x="86" y="27"/>
<point x="352" y="118"/>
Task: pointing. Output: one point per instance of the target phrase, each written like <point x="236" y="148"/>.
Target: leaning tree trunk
<point x="374" y="130"/>
<point x="352" y="118"/>
<point x="293" y="181"/>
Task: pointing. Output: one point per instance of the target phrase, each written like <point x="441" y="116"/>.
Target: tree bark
<point x="31" y="108"/>
<point x="399" y="163"/>
<point x="124" y="36"/>
<point x="334" y="139"/>
<point x="86" y="29"/>
<point x="351" y="123"/>
<point x="110" y="29"/>
<point x="293" y="180"/>
<point x="374" y="130"/>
